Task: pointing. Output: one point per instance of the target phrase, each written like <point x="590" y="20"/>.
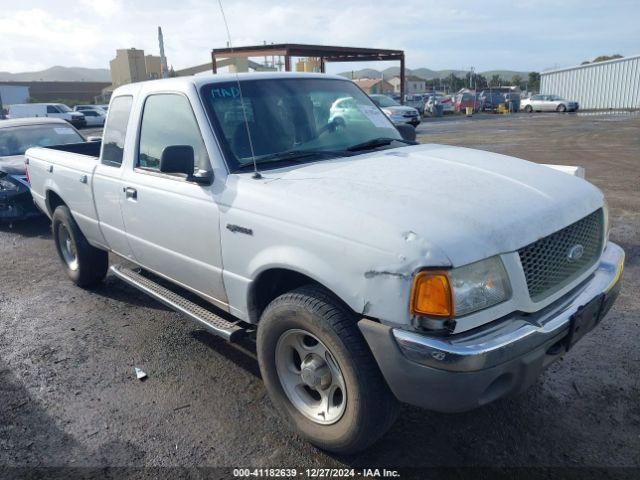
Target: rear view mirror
<point x="407" y="131"/>
<point x="177" y="159"/>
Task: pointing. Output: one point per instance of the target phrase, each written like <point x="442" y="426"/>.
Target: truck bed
<point x="66" y="171"/>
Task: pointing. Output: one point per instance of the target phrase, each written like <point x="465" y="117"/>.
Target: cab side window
<point x="115" y="130"/>
<point x="168" y="120"/>
<point x="52" y="109"/>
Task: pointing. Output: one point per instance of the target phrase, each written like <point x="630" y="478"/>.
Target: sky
<point x="516" y="35"/>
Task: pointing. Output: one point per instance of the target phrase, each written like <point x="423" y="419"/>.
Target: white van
<point x="53" y="110"/>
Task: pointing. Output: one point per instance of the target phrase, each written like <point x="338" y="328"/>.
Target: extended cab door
<point x="107" y="177"/>
<point x="172" y="223"/>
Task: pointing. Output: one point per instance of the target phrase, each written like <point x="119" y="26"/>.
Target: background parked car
<point x="50" y="110"/>
<point x="416" y="101"/>
<point x="81" y="108"/>
<point x="490" y="100"/>
<point x="433" y="105"/>
<point x="397" y="113"/>
<point x="94" y="117"/>
<point x="512" y="99"/>
<point x="447" y="104"/>
<point x="548" y="103"/>
<point x="16" y="136"/>
<point x="464" y="100"/>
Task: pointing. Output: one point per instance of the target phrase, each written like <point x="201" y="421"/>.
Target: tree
<point x="534" y="82"/>
<point x="603" y="58"/>
<point x="495" y="81"/>
<point x="517" y="81"/>
<point x="480" y="82"/>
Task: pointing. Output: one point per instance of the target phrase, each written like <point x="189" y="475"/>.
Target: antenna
<point x="256" y="173"/>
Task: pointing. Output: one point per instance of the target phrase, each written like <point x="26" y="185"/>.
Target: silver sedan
<point x="548" y="103"/>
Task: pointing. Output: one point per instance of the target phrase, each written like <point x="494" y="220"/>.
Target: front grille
<point x="550" y="263"/>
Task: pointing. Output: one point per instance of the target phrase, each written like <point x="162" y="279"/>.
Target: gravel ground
<point x="69" y="396"/>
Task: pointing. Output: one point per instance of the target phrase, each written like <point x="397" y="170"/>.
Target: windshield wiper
<point x="377" y="142"/>
<point x="289" y="156"/>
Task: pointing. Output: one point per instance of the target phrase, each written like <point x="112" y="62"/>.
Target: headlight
<point x="388" y="113"/>
<point x="460" y="291"/>
<point x="6" y="184"/>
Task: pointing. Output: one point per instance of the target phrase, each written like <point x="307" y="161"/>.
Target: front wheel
<point x="320" y="374"/>
<point x="528" y="109"/>
<point x="561" y="108"/>
<point x="85" y="265"/>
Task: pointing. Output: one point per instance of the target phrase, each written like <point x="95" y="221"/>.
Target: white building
<point x="614" y="84"/>
<point x="412" y="83"/>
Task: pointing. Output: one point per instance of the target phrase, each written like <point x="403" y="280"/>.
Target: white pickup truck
<point x="368" y="269"/>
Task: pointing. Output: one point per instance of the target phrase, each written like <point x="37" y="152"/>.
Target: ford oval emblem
<point x="575" y="253"/>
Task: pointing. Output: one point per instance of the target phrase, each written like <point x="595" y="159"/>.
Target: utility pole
<point x="164" y="70"/>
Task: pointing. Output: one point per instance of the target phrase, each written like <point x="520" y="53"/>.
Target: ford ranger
<point x="369" y="270"/>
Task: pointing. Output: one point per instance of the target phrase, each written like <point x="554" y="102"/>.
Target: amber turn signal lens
<point x="431" y="295"/>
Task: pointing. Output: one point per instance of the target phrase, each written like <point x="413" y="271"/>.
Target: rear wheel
<point x="85" y="265"/>
<point x="320" y="373"/>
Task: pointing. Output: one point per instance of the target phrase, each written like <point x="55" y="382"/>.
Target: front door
<point x="172" y="223"/>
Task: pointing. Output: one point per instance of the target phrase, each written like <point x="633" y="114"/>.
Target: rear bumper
<point x="467" y="370"/>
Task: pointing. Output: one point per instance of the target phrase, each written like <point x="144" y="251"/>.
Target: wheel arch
<point x="273" y="282"/>
<point x="53" y="201"/>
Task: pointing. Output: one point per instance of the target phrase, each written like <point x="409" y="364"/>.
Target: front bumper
<point x="400" y="119"/>
<point x="464" y="371"/>
<point x="78" y="122"/>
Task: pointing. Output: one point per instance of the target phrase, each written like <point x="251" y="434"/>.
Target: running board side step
<point x="217" y="325"/>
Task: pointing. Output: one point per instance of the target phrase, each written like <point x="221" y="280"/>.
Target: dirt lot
<point x="69" y="396"/>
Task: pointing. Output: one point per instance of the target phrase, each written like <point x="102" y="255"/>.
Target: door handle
<point x="130" y="193"/>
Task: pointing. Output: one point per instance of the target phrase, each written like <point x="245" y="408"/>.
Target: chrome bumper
<point x="520" y="333"/>
<point x="467" y="370"/>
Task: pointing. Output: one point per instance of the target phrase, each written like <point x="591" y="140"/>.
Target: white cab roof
<point x="180" y="83"/>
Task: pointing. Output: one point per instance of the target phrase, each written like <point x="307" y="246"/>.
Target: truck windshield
<point x="16" y="140"/>
<point x="294" y="119"/>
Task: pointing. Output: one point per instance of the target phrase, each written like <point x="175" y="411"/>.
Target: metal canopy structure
<point x="323" y="52"/>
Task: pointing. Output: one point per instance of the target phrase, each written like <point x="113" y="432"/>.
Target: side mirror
<point x="407" y="131"/>
<point x="180" y="159"/>
<point x="94" y="138"/>
<point x="177" y="159"/>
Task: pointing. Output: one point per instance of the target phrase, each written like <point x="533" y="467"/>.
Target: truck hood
<point x="446" y="205"/>
<point x="13" y="165"/>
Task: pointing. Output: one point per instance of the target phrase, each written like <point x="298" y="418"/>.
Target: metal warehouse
<point x="614" y="84"/>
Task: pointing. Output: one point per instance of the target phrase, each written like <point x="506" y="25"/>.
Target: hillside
<point x="59" y="74"/>
<point x="427" y="73"/>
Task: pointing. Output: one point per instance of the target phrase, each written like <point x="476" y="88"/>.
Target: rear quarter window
<point x="115" y="130"/>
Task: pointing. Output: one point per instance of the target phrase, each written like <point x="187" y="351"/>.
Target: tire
<point x="367" y="406"/>
<point x="528" y="109"/>
<point x="85" y="265"/>
<point x="561" y="108"/>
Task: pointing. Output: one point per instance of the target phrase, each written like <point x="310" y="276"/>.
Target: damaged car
<point x="16" y="136"/>
<point x="368" y="269"/>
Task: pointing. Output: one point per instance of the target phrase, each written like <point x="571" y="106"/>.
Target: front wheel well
<point x="272" y="283"/>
